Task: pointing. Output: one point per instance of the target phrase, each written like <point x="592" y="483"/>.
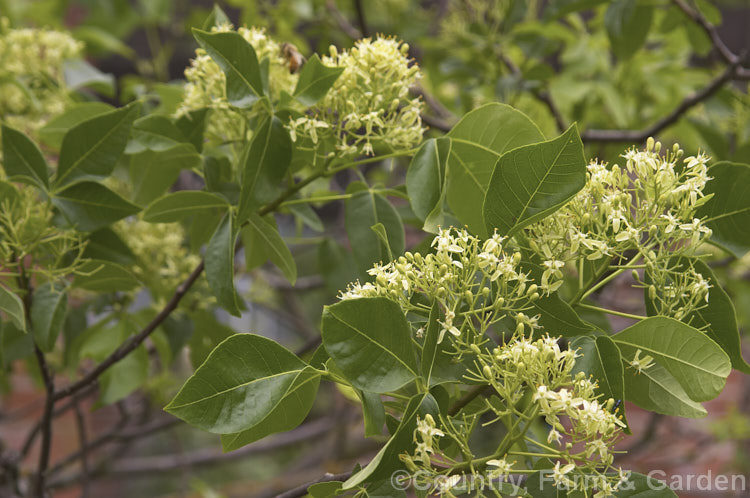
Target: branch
<point x="84" y="447"/>
<point x="713" y="34"/>
<point x="540" y="95"/>
<point x="131" y="344"/>
<point x="359" y="8"/>
<point x="343" y="24"/>
<point x="688" y="103"/>
<point x="140" y="466"/>
<point x="732" y="72"/>
<point x="301" y="490"/>
<point x="26" y="447"/>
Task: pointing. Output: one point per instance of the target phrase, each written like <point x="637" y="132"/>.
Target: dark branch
<point x="343" y="24"/>
<point x="84" y="447"/>
<point x="688" y="103"/>
<point x="130" y="345"/>
<point x="361" y="19"/>
<point x="142" y="466"/>
<point x="301" y="490"/>
<point x="713" y="34"/>
<point x="541" y="95"/>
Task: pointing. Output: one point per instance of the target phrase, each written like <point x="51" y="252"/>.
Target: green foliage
<point x="468" y="306"/>
<point x="532" y="181"/>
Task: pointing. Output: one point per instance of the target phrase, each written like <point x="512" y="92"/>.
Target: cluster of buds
<point x="206" y="84"/>
<point x="476" y="283"/>
<point x="31" y="69"/>
<point x="648" y="206"/>
<point x="369" y="105"/>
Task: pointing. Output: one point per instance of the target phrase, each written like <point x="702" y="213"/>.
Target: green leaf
<point x="335" y="264"/>
<point x="90" y="206"/>
<point x="426" y="178"/>
<point x="628" y="23"/>
<point x="696" y="362"/>
<point x="247" y="382"/>
<point x="12" y="305"/>
<point x="373" y="412"/>
<point x="364" y="209"/>
<point x="478" y="141"/>
<point x="656" y="390"/>
<point x="533" y="181"/>
<point x="124" y="377"/>
<point x="266" y="235"/>
<point x="217" y="17"/>
<point x="90" y="149"/>
<point x="315" y="80"/>
<point x="265" y="162"/>
<point x="48" y="310"/>
<point x="179" y="205"/>
<point x="387" y="461"/>
<point x="193" y="125"/>
<point x="219" y="261"/>
<point x="380" y="231"/>
<point x="236" y="57"/>
<point x="22" y="159"/>
<point x="154" y="132"/>
<point x="108" y="245"/>
<point x="54" y="131"/>
<point x="728" y="211"/>
<point x="209" y="333"/>
<point x="557" y="317"/>
<point x="153" y="173"/>
<point x="78" y="73"/>
<point x="370" y="341"/>
<point x="104" y="276"/>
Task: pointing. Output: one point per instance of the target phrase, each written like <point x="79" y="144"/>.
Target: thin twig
<point x="713" y="34"/>
<point x="46" y="422"/>
<point x="142" y="466"/>
<point x="84" y="447"/>
<point x="540" y="95"/>
<point x="361" y="19"/>
<point x="131" y="344"/>
<point x="301" y="490"/>
<point x="343" y="24"/>
<point x="29" y="441"/>
<point x="688" y="103"/>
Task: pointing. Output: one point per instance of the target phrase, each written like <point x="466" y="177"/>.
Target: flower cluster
<point x="369" y="105"/>
<point x="163" y="262"/>
<point x="32" y="87"/>
<point x="649" y="206"/>
<point x="28" y="240"/>
<point x="476" y="283"/>
<point x="531" y="378"/>
<point x="206" y="84"/>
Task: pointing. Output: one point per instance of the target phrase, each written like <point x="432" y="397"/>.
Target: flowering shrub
<point x="483" y="351"/>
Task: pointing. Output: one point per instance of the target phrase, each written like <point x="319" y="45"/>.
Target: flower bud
<point x="485" y="292"/>
<point x="516" y="258"/>
<point x="475" y="349"/>
<point x="532" y="289"/>
<point x="487" y="372"/>
<point x="468" y="296"/>
<point x="635" y="275"/>
<point x="651" y="292"/>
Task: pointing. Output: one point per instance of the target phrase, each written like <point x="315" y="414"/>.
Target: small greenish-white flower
<point x="369" y="104"/>
<point x="559" y="475"/>
<point x="641" y="364"/>
<point x="502" y="468"/>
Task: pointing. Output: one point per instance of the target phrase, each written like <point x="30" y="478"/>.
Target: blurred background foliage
<point x="617" y="68"/>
